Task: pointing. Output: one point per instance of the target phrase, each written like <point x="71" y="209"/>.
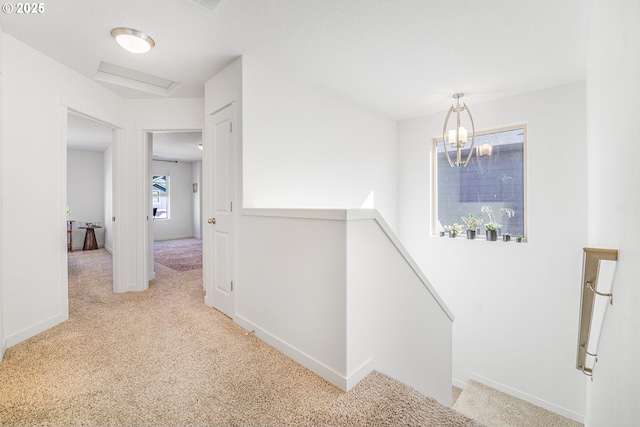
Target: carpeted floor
<point x="163" y="358"/>
<point x="179" y="254"/>
<point x="498" y="409"/>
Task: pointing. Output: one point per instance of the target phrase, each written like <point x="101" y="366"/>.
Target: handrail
<point x="589" y="291"/>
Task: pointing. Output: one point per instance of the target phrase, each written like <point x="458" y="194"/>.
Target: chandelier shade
<point x="457" y="138"/>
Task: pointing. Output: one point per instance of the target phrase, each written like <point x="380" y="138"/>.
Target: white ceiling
<point x="84" y="133"/>
<point x="87" y="134"/>
<point x="402" y="58"/>
<point x="182" y="146"/>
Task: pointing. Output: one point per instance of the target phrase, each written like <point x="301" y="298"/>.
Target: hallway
<point x="161" y="357"/>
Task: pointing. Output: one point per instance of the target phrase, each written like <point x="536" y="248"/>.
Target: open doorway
<point x="175" y="192"/>
<point x="89" y="188"/>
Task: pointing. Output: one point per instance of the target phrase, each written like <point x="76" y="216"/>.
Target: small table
<point x="90" y="242"/>
<point x="70" y="235"/>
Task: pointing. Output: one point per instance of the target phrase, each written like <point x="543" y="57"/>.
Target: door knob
<point x="211" y="220"/>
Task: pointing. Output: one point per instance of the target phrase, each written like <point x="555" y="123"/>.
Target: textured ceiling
<point x="87" y="134"/>
<point x="182" y="146"/>
<point x="402" y="58"/>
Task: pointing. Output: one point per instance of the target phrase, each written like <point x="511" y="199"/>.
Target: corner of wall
<point x="3" y="344"/>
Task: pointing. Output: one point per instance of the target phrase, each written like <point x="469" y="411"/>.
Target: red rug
<point x="178" y="255"/>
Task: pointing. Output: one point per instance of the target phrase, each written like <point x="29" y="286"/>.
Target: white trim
<point x="3" y="347"/>
<point x="117" y="196"/>
<point x="145" y="251"/>
<point x="359" y="373"/>
<point x="62" y="219"/>
<point x="294" y="353"/>
<point x="331" y="214"/>
<point x="116" y="138"/>
<point x="458" y="383"/>
<point x="164" y="126"/>
<point x="34" y="330"/>
<point x="529" y="398"/>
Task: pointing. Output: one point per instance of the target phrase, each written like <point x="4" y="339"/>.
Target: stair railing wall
<point x="335" y="290"/>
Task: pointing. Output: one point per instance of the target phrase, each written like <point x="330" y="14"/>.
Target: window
<point x="494" y="180"/>
<point x="160" y="196"/>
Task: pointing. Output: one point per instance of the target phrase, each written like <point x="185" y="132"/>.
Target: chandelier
<point x="456" y="139"/>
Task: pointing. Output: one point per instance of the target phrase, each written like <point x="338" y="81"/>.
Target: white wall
<point x="291" y="289"/>
<point x="196" y="198"/>
<point x="333" y="290"/>
<point x="395" y="324"/>
<point x="305" y="148"/>
<point x="180" y="222"/>
<point x="516" y="305"/>
<point x="36" y="90"/>
<point x="85" y="192"/>
<point x="108" y="198"/>
<point x="613" y="108"/>
<point x="2" y="341"/>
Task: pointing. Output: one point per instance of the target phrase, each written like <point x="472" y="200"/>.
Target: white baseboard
<point x="34" y="330"/>
<point x="108" y="249"/>
<point x="360" y="372"/>
<point x="299" y="356"/>
<point x="529" y="398"/>
<point x="458" y="383"/>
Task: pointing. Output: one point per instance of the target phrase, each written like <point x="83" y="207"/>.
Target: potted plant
<point x="492" y="231"/>
<point x="471" y="223"/>
<point x="506" y="237"/>
<point x="519" y="238"/>
<point x="492" y="226"/>
<point x="453" y="229"/>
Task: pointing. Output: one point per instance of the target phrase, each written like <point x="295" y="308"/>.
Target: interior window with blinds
<point x="493" y="182"/>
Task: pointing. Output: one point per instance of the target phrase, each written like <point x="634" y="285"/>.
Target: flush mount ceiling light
<point x="133" y="40"/>
<point x="457" y="138"/>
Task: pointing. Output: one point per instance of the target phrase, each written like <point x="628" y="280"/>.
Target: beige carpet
<point x="179" y="254"/>
<point x="497" y="409"/>
<point x="455" y="394"/>
<point x="162" y="358"/>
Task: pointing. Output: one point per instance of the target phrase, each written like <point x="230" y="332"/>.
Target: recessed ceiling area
<point x="132" y="79"/>
<point x="207" y="4"/>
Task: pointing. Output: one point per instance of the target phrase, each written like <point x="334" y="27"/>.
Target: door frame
<point x="117" y="137"/>
<point x="145" y="272"/>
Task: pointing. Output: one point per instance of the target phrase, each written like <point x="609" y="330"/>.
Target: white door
<point x="218" y="234"/>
